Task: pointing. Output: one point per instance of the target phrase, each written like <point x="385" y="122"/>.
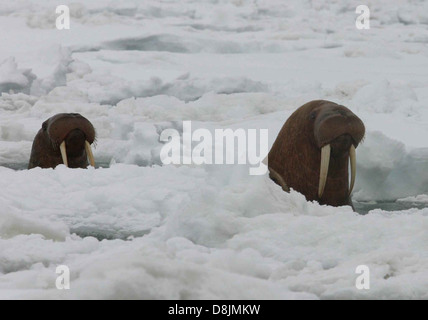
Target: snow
<point x="422" y="198"/>
<point x="135" y="228"/>
<point x="12" y="79"/>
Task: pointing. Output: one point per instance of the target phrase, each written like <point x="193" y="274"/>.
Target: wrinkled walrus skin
<point x="294" y="160"/>
<point x="71" y="131"/>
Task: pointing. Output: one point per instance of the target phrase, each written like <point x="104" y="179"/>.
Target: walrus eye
<point x="313" y="115"/>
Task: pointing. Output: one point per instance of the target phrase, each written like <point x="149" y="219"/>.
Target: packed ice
<point x="134" y="228"/>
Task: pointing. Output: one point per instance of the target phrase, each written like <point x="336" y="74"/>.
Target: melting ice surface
<point x="135" y="229"/>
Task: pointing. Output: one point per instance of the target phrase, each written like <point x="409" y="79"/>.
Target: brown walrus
<point x="65" y="138"/>
<point x="312" y="150"/>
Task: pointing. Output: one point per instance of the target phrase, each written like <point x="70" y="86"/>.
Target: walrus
<point x="312" y="150"/>
<point x="65" y="138"/>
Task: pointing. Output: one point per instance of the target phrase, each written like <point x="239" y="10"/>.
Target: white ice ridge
<point x="141" y="229"/>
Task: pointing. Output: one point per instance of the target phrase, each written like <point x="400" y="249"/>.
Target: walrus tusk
<point x="63" y="153"/>
<point x="325" y="162"/>
<point x="89" y="153"/>
<point x="353" y="160"/>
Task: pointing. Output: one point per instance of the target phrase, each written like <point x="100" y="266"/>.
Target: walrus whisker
<point x="95" y="142"/>
<point x="89" y="153"/>
<point x="64" y="153"/>
<point x="325" y="162"/>
<point x="353" y="160"/>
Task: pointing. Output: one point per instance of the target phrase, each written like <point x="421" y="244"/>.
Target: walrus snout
<point x="332" y="123"/>
<point x="60" y="125"/>
<point x="75" y="141"/>
<point x="337" y="132"/>
<point x="341" y="145"/>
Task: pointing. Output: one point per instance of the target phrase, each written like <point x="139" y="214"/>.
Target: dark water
<point x="101" y="234"/>
<point x="365" y="207"/>
<point x="361" y="207"/>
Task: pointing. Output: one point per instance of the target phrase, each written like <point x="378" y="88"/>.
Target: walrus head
<point x="64" y="138"/>
<point x="312" y="150"/>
